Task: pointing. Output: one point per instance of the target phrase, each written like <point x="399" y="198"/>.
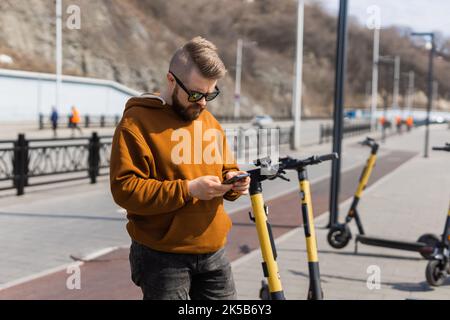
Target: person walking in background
<point x="382" y="122"/>
<point x="75" y="121"/>
<point x="54" y="119"/>
<point x="398" y="124"/>
<point x="409" y="123"/>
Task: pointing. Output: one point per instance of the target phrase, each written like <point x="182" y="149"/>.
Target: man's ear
<point x="170" y="81"/>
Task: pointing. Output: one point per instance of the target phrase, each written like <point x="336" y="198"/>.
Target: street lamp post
<point x="396" y="82"/>
<point x="396" y="61"/>
<point x="374" y="22"/>
<point x="435" y="94"/>
<point x="430" y="86"/>
<point x="298" y="83"/>
<point x="376" y="56"/>
<point x="237" y="91"/>
<point x="58" y="53"/>
<point x="338" y="111"/>
<point x="409" y="92"/>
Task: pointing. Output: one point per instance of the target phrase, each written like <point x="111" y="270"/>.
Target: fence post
<point x="25" y="155"/>
<point x="20" y="167"/>
<point x="41" y="121"/>
<point x="102" y="121"/>
<point x="94" y="157"/>
<point x="258" y="141"/>
<point x="86" y="121"/>
<point x="321" y="133"/>
<point x="241" y="142"/>
<point x="291" y="137"/>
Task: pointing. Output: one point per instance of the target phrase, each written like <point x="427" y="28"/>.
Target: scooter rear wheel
<point x="339" y="236"/>
<point x="435" y="273"/>
<point x="431" y="240"/>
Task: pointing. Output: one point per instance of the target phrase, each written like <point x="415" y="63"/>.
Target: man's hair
<point x="199" y="53"/>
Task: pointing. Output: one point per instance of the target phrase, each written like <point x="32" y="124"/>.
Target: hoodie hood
<point x="147" y="100"/>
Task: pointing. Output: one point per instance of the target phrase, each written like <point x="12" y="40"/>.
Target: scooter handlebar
<point x="328" y="157"/>
<point x="368" y="142"/>
<point x="290" y="163"/>
<point x="262" y="162"/>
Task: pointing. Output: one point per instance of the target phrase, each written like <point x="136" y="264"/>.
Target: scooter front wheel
<point x="339" y="236"/>
<point x="430" y="240"/>
<point x="264" y="292"/>
<point x="435" y="273"/>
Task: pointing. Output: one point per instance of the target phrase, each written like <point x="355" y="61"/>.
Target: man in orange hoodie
<point x="168" y="161"/>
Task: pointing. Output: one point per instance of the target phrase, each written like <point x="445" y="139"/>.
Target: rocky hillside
<point x="131" y="42"/>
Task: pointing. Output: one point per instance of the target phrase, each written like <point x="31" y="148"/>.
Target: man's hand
<point x="241" y="186"/>
<point x="207" y="188"/>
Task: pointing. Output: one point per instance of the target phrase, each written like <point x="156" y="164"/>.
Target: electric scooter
<point x="274" y="290"/>
<point x="340" y="234"/>
<point x="315" y="291"/>
<point x="438" y="268"/>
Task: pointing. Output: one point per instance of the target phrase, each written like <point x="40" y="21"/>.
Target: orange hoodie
<point x="149" y="172"/>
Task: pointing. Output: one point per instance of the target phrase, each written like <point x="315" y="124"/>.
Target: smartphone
<point x="236" y="178"/>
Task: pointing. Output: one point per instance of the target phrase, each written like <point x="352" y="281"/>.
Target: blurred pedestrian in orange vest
<point x="382" y="121"/>
<point x="409" y="122"/>
<point x="75" y="121"/>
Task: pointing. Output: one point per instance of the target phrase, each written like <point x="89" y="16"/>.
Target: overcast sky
<point x="421" y="15"/>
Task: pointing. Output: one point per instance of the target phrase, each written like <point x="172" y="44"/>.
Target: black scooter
<point x="438" y="268"/>
<point x="340" y="234"/>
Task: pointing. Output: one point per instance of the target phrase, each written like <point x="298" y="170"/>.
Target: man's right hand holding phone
<point x="240" y="186"/>
<point x="209" y="187"/>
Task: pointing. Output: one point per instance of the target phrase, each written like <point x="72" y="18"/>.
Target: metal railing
<point x="326" y="131"/>
<point x="246" y="119"/>
<point x="88" y="121"/>
<point x="103" y="121"/>
<point x="34" y="162"/>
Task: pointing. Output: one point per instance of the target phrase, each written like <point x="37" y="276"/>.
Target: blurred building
<point x="26" y="94"/>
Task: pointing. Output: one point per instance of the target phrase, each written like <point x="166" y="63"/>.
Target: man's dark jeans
<point x="173" y="276"/>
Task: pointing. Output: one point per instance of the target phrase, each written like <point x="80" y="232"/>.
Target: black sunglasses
<point x="195" y="96"/>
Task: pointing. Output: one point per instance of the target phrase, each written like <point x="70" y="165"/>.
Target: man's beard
<point x="189" y="113"/>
